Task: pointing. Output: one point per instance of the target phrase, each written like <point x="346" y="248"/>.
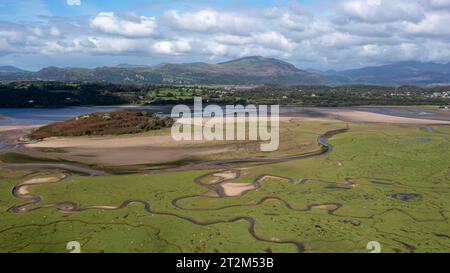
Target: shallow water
<point x="382" y="183"/>
<point x="334" y="187"/>
<point x="407" y="197"/>
<point x="38" y="116"/>
<point x="424" y="140"/>
<point x="42" y="116"/>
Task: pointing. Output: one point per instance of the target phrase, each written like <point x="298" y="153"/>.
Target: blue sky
<point x="17" y="10"/>
<point x="321" y="34"/>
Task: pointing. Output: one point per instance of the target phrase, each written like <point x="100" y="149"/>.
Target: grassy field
<point x="380" y="183"/>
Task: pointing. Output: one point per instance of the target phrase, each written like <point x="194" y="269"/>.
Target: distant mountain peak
<point x="255" y="59"/>
<point x="11" y="69"/>
<point x="248" y="58"/>
<point x="133" y="66"/>
<point x="271" y="66"/>
<point x="399" y="73"/>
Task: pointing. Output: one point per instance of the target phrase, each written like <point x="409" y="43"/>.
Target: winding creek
<point x="223" y="177"/>
<point x="218" y="188"/>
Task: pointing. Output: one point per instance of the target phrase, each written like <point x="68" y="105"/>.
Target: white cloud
<point x="216" y="49"/>
<point x="113" y="44"/>
<point x="74" y="2"/>
<point x="130" y="25"/>
<point x="274" y="40"/>
<point x="434" y="24"/>
<point x="351" y="33"/>
<point x="54" y="31"/>
<point x="379" y="11"/>
<point x="439" y="3"/>
<point x="268" y="39"/>
<point x="209" y="20"/>
<point x="172" y="47"/>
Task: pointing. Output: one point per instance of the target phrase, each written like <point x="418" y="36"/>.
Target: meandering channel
<point x="223" y="177"/>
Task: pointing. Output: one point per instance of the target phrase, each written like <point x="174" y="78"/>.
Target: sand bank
<point x="21" y="127"/>
<point x="237" y="189"/>
<point x="361" y="116"/>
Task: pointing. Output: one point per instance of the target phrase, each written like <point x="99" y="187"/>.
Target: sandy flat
<point x="236" y="189"/>
<point x="267" y="177"/>
<point x="23" y="190"/>
<point x="144" y="149"/>
<point x="167" y="141"/>
<point x="191" y="121"/>
<point x="219" y="177"/>
<point x="103" y="207"/>
<point x="324" y="207"/>
<point x="21" y="127"/>
<point x="352" y="115"/>
<point x="136" y="155"/>
<point x="127" y="149"/>
<point x="42" y="180"/>
<point x="110" y="142"/>
<point x="361" y="116"/>
<point x="226" y="175"/>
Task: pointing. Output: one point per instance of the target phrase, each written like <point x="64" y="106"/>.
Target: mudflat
<point x="154" y="149"/>
<point x="367" y="117"/>
<point x="360" y="115"/>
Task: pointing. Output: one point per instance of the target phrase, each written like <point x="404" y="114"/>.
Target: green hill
<point x="249" y="70"/>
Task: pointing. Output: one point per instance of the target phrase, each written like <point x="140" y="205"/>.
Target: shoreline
<point x="402" y="111"/>
<point x="5" y="128"/>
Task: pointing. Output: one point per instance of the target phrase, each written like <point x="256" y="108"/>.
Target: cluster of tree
<point x="113" y="123"/>
<point x="350" y="95"/>
<point x="56" y="94"/>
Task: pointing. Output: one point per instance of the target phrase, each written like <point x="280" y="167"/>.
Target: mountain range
<point x="401" y="73"/>
<point x="248" y="70"/>
<point x="10" y="69"/>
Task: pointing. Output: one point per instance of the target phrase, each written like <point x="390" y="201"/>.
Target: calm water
<point x="38" y="116"/>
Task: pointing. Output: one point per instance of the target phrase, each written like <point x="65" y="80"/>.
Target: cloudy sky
<point x="320" y="34"/>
